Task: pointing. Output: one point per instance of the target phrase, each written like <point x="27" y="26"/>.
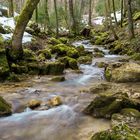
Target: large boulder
<point x="119" y="132"/>
<point x="128" y="72"/>
<point x="129" y="116"/>
<point x="5" y="108"/>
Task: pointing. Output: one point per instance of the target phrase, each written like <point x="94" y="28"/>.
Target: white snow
<point x="118" y="15"/>
<point x="11" y="23"/>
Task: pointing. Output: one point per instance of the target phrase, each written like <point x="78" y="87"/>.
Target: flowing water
<point x="65" y="122"/>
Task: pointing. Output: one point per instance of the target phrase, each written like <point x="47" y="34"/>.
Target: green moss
<point x="52" y="68"/>
<point x="64" y="40"/>
<point x="29" y="55"/>
<point x="13" y="78"/>
<point x="98" y="54"/>
<point x="130" y="112"/>
<point x="58" y="79"/>
<point x="19" y="69"/>
<point x="5" y="108"/>
<point x="136" y="16"/>
<point x="54" y="41"/>
<point x="73" y="53"/>
<point x="85" y="60"/>
<point x="1" y="40"/>
<point x="108" y="74"/>
<point x="136" y="56"/>
<point x="69" y="62"/>
<point x="45" y="54"/>
<point x="120" y="132"/>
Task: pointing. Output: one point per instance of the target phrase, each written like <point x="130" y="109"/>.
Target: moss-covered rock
<point x="69" y="62"/>
<point x="135" y="56"/>
<point x="136" y="16"/>
<point x="85" y="59"/>
<point x="13" y="78"/>
<point x="52" y="68"/>
<point x="29" y="55"/>
<point x="34" y="103"/>
<point x="19" y="69"/>
<point x="98" y="54"/>
<point x="73" y="53"/>
<point x="129" y="72"/>
<point x="129" y="116"/>
<point x="58" y="79"/>
<point x="120" y="132"/>
<point x="64" y="40"/>
<point x="5" y="108"/>
<point x="54" y="41"/>
<point x="101" y="64"/>
<point x="44" y="54"/>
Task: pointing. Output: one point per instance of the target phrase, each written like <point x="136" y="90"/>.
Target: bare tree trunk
<point x="47" y="18"/>
<point x="36" y="14"/>
<point x="114" y="11"/>
<point x="110" y="20"/>
<point x="11" y="8"/>
<point x="73" y="20"/>
<point x="56" y="16"/>
<point x="22" y="22"/>
<point x="130" y="20"/>
<point x="90" y="13"/>
<point x="122" y="8"/>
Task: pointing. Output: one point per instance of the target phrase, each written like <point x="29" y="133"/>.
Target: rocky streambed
<point x="60" y="107"/>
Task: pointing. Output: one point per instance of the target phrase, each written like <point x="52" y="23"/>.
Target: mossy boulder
<point x="54" y="41"/>
<point x="58" y="79"/>
<point x="98" y="54"/>
<point x="52" y="68"/>
<point x="13" y="77"/>
<point x="34" y="103"/>
<point x="73" y="53"/>
<point x="29" y="55"/>
<point x="64" y="40"/>
<point x="69" y="62"/>
<point x="85" y="59"/>
<point x="101" y="64"/>
<point x="60" y="49"/>
<point x="4" y="73"/>
<point x="129" y="116"/>
<point x="19" y="69"/>
<point x="119" y="132"/>
<point x="136" y="56"/>
<point x="128" y="72"/>
<point x="44" y="54"/>
<point x="5" y="108"/>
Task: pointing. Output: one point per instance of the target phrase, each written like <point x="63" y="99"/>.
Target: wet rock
<point x="4" y="12"/>
<point x="85" y="59"/>
<point x="34" y="103"/>
<point x="54" y="41"/>
<point x="129" y="72"/>
<point x="5" y="108"/>
<point x="2" y="30"/>
<point x="69" y="62"/>
<point x="110" y="102"/>
<point x="55" y="101"/>
<point x="98" y="88"/>
<point x="98" y="54"/>
<point x="119" y="132"/>
<point x="58" y="79"/>
<point x="101" y="64"/>
<point x="129" y="116"/>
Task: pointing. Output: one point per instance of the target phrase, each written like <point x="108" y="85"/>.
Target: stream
<point x="65" y="122"/>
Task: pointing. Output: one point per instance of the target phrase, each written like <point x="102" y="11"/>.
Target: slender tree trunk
<point x="125" y="8"/>
<point x="36" y="14"/>
<point x="66" y="15"/>
<point x="130" y="20"/>
<point x="56" y="16"/>
<point x="72" y="16"/>
<point x="22" y="22"/>
<point x="114" y="11"/>
<point x="11" y="8"/>
<point x="90" y="13"/>
<point x="47" y="18"/>
<point x="110" y="20"/>
<point x="122" y="8"/>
